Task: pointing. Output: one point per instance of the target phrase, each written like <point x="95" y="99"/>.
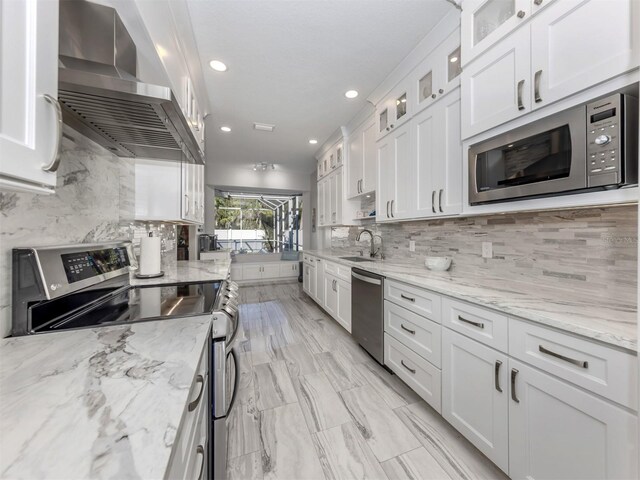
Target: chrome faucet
<point x="372" y="251"/>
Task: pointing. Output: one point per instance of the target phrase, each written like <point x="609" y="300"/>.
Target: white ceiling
<point x="289" y="64"/>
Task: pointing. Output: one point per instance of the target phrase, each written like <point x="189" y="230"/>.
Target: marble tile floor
<point x="313" y="405"/>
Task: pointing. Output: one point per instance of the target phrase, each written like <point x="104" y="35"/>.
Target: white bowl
<point x="439" y="264"/>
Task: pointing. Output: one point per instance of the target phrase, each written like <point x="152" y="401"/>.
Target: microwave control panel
<point x="604" y="152"/>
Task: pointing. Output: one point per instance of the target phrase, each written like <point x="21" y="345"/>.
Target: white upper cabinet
<point x="395" y="109"/>
<point x="496" y="87"/>
<point x="169" y="191"/>
<point x="484" y="22"/>
<point x="30" y="117"/>
<point x="438" y="74"/>
<point x="566" y="47"/>
<point x="362" y="160"/>
<point x="395" y="170"/>
<point x="578" y="43"/>
<point x="438" y="158"/>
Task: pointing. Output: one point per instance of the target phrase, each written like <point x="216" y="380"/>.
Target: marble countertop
<point x="599" y="318"/>
<point x="96" y="403"/>
<point x="188" y="271"/>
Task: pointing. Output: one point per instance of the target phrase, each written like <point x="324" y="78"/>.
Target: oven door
<point x="546" y="157"/>
<point x="226" y="377"/>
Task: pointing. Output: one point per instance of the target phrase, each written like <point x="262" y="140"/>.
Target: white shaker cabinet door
<point x="356" y="164"/>
<point x="496" y="87"/>
<point x="30" y="117"/>
<point x="475" y="394"/>
<point x="576" y="44"/>
<point x="404" y="184"/>
<point x="557" y="430"/>
<point x="369" y="159"/>
<point x="343" y="310"/>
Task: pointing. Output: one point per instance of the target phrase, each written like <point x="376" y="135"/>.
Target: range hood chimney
<point x="101" y="96"/>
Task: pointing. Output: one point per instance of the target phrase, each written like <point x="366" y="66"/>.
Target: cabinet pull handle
<point x="514" y="374"/>
<point x="521" y="14"/>
<point x="193" y="405"/>
<point x="440" y="200"/>
<point x="200" y="451"/>
<point x="433" y="95"/>
<point x="412" y="370"/>
<point x="186" y="196"/>
<point x="411" y="299"/>
<point x="470" y="322"/>
<point x="536" y="86"/>
<point x="391" y="125"/>
<point x="578" y="363"/>
<point x="537" y="2"/>
<point x="497" y="375"/>
<point x="392" y="215"/>
<point x="520" y="104"/>
<point x="53" y="165"/>
<point x="387" y="208"/>
<point x="433" y="201"/>
<point x="412" y="332"/>
<point x="441" y="91"/>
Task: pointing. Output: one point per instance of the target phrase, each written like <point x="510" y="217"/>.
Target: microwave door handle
<point x="236" y="380"/>
<point x="520" y="87"/>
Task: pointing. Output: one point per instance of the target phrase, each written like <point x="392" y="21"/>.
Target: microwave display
<point x="541" y="157"/>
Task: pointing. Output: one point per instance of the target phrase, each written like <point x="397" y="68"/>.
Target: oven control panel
<point x="82" y="265"/>
<point x="604" y="148"/>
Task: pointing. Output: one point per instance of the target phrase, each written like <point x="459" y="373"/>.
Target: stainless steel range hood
<point x="101" y="96"/>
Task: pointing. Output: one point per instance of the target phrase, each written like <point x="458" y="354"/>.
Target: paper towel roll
<point x="149" y="256"/>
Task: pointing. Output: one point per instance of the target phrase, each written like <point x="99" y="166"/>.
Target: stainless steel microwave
<point x="591" y="146"/>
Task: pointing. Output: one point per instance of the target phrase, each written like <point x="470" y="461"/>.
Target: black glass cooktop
<point x="119" y="304"/>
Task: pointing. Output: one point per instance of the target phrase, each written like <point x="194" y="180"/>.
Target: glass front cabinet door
<point x="484" y="22"/>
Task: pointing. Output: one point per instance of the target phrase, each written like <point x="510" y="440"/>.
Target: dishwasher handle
<point x="373" y="281"/>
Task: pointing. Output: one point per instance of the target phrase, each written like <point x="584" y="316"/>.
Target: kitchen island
<point x="97" y="403"/>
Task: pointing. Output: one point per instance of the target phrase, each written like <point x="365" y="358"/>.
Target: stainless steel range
<point x="87" y="286"/>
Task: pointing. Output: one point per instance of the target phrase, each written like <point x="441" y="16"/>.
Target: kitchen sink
<point x="357" y="259"/>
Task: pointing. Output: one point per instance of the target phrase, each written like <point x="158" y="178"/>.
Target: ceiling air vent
<point x="263" y="127"/>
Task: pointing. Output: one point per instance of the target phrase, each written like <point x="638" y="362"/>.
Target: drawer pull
<point x="200" y="451"/>
<point x="412" y="332"/>
<point x="412" y="370"/>
<point x="578" y="363"/>
<point x="497" y="376"/>
<point x="411" y="299"/>
<point x="193" y="405"/>
<point x="514" y="374"/>
<point x="471" y="322"/>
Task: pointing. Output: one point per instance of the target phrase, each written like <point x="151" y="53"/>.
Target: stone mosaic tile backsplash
<point x="94" y="202"/>
<point x="593" y="251"/>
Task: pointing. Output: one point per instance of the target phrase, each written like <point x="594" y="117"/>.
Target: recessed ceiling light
<point x="313" y="141"/>
<point x="351" y="93"/>
<point x="225" y="129"/>
<point x="453" y="59"/>
<point x="218" y="66"/>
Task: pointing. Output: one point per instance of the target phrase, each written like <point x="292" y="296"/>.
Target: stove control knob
<point x="602" y="139"/>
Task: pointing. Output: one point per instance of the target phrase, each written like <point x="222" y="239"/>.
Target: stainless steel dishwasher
<point x="367" y="312"/>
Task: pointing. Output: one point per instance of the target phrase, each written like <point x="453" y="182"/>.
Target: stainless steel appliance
<point x="208" y="243"/>
<point x="367" y="312"/>
<point x="101" y="96"/>
<point x="588" y="147"/>
<point x="87" y="286"/>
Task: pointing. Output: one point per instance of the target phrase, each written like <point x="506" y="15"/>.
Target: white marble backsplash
<point x="94" y="202"/>
<point x="592" y="252"/>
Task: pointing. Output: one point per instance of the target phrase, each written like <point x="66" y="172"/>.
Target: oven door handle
<point x="236" y="327"/>
<point x="236" y="380"/>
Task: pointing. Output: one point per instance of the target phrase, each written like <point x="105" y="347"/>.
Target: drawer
<point x="330" y="267"/>
<point x="416" y="332"/>
<point x="415" y="299"/>
<point x="424" y="378"/>
<point x="343" y="273"/>
<point x="481" y="324"/>
<point x="605" y="371"/>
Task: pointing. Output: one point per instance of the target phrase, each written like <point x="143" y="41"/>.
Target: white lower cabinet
<point x="343" y="310"/>
<point x="475" y="394"/>
<point x="264" y="271"/>
<point x="558" y="431"/>
<point x="326" y="282"/>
